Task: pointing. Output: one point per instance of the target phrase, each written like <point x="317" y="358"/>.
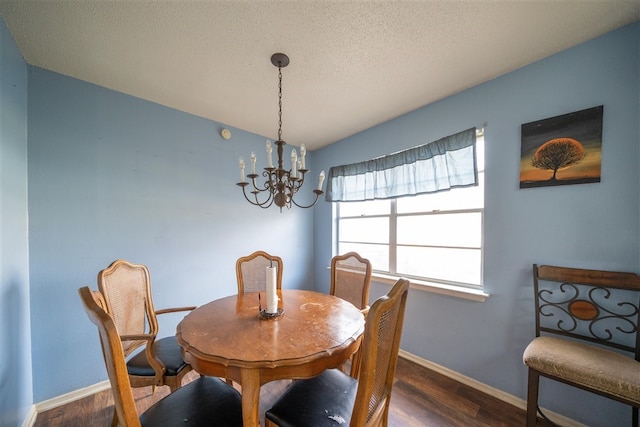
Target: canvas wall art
<point x="562" y="150"/>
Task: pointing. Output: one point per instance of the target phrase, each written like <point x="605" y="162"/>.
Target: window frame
<point x="455" y="288"/>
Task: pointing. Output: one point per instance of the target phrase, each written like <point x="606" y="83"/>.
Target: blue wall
<point x="15" y="344"/>
<point x="112" y="176"/>
<point x="591" y="225"/>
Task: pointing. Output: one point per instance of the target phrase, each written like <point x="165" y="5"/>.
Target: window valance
<point x="438" y="166"/>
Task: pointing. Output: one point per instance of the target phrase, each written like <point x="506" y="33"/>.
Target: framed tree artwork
<point x="562" y="150"/>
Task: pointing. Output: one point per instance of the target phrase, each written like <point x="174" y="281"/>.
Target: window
<point x="435" y="237"/>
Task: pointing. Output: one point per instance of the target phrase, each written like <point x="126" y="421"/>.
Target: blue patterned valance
<point x="438" y="166"/>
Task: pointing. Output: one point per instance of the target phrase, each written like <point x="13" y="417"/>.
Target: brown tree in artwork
<point x="558" y="153"/>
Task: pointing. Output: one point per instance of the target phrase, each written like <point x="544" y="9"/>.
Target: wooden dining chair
<point x="251" y="272"/>
<point x="351" y="281"/>
<point x="205" y="401"/>
<point x="126" y="289"/>
<point x="335" y="398"/>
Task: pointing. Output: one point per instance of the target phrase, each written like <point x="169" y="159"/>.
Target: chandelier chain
<point x="279" y="103"/>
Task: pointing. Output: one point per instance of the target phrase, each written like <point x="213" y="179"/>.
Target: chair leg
<point x="532" y="398"/>
<point x="114" y="419"/>
<point x="355" y="364"/>
<point x="634" y="415"/>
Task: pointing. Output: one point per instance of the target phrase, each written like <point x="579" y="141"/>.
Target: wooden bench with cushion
<point x="586" y="334"/>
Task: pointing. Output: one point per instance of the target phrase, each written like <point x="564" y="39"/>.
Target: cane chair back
<point x="203" y="402"/>
<point x="126" y="289"/>
<point x="334" y="397"/>
<point x="251" y="272"/>
<point x="351" y="279"/>
<point x="379" y="350"/>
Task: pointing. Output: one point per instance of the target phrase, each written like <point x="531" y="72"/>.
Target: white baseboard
<point x="30" y="419"/>
<point x="561" y="420"/>
<point x="72" y="396"/>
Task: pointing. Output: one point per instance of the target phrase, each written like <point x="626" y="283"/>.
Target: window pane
<point x="369" y="230"/>
<point x="370" y="207"/>
<point x="377" y="254"/>
<point x="456" y="229"/>
<point x="456" y="265"/>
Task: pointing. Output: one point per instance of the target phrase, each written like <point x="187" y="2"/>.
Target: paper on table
<point x="272" y="294"/>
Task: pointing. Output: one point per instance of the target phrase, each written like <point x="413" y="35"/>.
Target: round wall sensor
<point x="225" y="133"/>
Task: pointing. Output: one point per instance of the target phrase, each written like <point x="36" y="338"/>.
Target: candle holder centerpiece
<point x="269" y="316"/>
<point x="281" y="184"/>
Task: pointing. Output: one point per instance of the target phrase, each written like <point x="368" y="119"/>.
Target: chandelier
<point x="280" y="185"/>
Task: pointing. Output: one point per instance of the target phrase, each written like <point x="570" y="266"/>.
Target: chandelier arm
<point x="265" y="204"/>
<point x="256" y="189"/>
<point x="297" y="184"/>
<point x="318" y="193"/>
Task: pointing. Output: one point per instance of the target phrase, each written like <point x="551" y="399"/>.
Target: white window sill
<point x="437" y="288"/>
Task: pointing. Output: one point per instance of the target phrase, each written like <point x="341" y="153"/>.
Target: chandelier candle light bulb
<point x="241" y="169"/>
<point x="294" y="162"/>
<point x="320" y="181"/>
<point x="303" y="153"/>
<point x="253" y="163"/>
<point x="269" y="157"/>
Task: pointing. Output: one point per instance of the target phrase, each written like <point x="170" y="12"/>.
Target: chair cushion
<point x="168" y="351"/>
<point x="206" y="401"/>
<point x="325" y="400"/>
<point x="587" y="365"/>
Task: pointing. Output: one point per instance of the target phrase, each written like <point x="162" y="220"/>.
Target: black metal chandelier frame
<point x="280" y="184"/>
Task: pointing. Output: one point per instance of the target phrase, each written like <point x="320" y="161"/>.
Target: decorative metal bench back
<point x="597" y="306"/>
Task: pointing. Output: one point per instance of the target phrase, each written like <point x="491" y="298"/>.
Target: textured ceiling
<point x="354" y="64"/>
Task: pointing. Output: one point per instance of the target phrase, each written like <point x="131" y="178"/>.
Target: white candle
<point x="253" y="162"/>
<point x="272" y="292"/>
<point x="303" y="153"/>
<point x="294" y="161"/>
<point x="320" y="181"/>
<point x="241" y="169"/>
<point x="269" y="158"/>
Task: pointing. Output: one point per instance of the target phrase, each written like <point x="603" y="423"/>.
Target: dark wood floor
<point x="420" y="397"/>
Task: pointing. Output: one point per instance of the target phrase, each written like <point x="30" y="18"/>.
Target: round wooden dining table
<point x="228" y="338"/>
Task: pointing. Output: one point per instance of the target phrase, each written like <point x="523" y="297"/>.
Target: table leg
<point x="250" y="382"/>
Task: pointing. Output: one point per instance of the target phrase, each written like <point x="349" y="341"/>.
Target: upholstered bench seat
<point x="592" y="367"/>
